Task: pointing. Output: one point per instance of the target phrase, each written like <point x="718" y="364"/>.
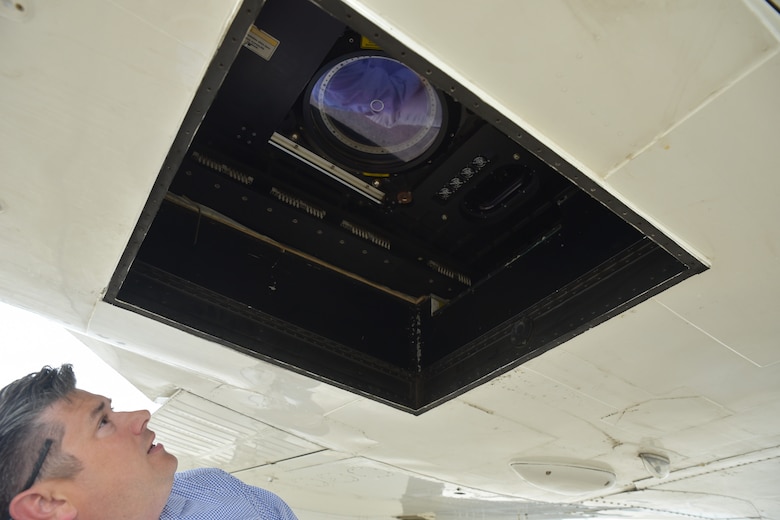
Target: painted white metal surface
<point x="672" y="106"/>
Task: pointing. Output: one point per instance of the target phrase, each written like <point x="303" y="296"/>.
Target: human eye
<point x="105" y="418"/>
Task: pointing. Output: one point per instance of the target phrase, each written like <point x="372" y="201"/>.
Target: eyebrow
<point x="98" y="410"/>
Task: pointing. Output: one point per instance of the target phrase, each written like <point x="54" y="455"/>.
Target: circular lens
<point x="372" y="111"/>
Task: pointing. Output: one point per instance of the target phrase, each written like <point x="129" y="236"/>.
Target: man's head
<point x="65" y="453"/>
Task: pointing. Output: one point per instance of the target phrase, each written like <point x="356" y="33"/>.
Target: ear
<point x="38" y="503"/>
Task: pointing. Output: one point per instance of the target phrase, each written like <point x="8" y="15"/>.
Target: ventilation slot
<point x="298" y="203"/>
<point x="223" y="169"/>
<point x="462" y="278"/>
<point x="365" y="234"/>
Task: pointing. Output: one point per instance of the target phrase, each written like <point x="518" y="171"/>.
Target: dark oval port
<point x="504" y="189"/>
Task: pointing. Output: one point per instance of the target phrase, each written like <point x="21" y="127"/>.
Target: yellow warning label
<point x="365" y="43"/>
<point x="261" y="43"/>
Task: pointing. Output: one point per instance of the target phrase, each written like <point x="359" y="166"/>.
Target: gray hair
<point x="24" y="433"/>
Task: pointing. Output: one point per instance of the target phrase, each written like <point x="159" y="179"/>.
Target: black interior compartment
<point x="344" y="210"/>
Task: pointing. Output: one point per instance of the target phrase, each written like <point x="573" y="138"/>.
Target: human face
<point x="125" y="474"/>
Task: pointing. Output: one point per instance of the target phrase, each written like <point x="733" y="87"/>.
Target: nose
<point x="138" y="420"/>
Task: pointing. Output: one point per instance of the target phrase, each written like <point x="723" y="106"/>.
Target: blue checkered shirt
<point x="212" y="494"/>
